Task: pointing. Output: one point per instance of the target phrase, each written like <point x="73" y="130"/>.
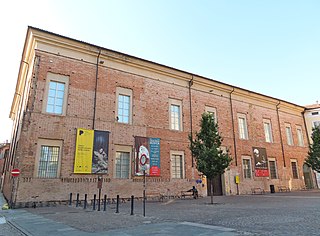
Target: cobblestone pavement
<point x="295" y="213"/>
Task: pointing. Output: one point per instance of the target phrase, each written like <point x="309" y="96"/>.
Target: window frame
<point x="123" y="149"/>
<point x="268" y="131"/>
<point x="289" y="135"/>
<point x="128" y="93"/>
<point x="275" y="168"/>
<point x="245" y="135"/>
<point x="294" y="175"/>
<point x="178" y="103"/>
<point x="213" y="110"/>
<point x="182" y="168"/>
<point x="52" y="77"/>
<point x="244" y="174"/>
<point x="300" y="136"/>
<point x="49" y="143"/>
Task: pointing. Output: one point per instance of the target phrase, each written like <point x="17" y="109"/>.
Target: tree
<point x="210" y="159"/>
<point x="313" y="158"/>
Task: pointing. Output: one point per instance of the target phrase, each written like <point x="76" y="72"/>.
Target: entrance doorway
<point x="217" y="186"/>
<point x="307" y="176"/>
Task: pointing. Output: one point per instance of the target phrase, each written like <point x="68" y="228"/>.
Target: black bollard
<point x="105" y="203"/>
<point x="94" y="201"/>
<point x="70" y="199"/>
<point x="77" y="202"/>
<point x="132" y="198"/>
<point x="117" y="209"/>
<point x="85" y="202"/>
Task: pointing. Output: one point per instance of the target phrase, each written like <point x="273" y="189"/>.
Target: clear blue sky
<point x="267" y="46"/>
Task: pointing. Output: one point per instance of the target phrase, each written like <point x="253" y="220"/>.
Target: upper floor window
<point x="212" y="111"/>
<point x="267" y="131"/>
<point x="300" y="136"/>
<point x="175" y="114"/>
<point x="243" y="129"/>
<point x="289" y="135"/>
<point x="316" y="123"/>
<point x="55" y="100"/>
<point x="124" y="105"/>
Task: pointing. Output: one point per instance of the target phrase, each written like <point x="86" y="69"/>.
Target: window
<point x="289" y="135"/>
<point x="124" y="105"/>
<point x="243" y="130"/>
<point x="294" y="169"/>
<point x="48" y="158"/>
<point x="175" y="114"/>
<point x="300" y="136"/>
<point x="246" y="166"/>
<point x="55" y="101"/>
<point x="273" y="169"/>
<point x="267" y="131"/>
<point x="316" y="124"/>
<point x="177" y="165"/>
<point x="212" y="111"/>
<point x="122" y="165"/>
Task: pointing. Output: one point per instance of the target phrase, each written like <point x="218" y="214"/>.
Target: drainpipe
<point x="190" y="106"/>
<point x="95" y="91"/>
<point x="282" y="148"/>
<point x="233" y="131"/>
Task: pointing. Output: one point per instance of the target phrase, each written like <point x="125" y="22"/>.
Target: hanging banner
<point x="261" y="162"/>
<point x="147" y="159"/>
<point x="91" y="155"/>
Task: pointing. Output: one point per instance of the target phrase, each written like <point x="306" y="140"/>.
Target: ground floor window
<point x="273" y="169"/>
<point x="246" y="166"/>
<point x="294" y="168"/>
<point x="177" y="167"/>
<point x="122" y="165"/>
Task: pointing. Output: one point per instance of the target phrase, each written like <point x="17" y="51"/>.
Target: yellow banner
<point x="84" y="149"/>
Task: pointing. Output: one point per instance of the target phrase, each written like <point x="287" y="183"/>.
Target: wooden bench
<point x="189" y="193"/>
<point x="283" y="189"/>
<point x="257" y="191"/>
<point x="154" y="196"/>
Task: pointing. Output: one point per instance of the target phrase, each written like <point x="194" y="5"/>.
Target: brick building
<point x="67" y="88"/>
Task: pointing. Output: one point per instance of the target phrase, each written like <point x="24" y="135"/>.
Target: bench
<point x="154" y="196"/>
<point x="189" y="193"/>
<point x="283" y="189"/>
<point x="257" y="191"/>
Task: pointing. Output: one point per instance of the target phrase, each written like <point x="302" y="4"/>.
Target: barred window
<point x="48" y="163"/>
<point x="273" y="169"/>
<point x="294" y="169"/>
<point x="176" y="166"/>
<point x="246" y="165"/>
<point x="122" y="165"/>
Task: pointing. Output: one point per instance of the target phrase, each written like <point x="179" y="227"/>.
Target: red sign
<point x="15" y="172"/>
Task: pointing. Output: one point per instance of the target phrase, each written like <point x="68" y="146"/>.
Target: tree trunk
<point x="211" y="190"/>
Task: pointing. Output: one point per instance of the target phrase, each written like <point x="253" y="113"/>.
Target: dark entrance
<point x="307" y="176"/>
<point x="217" y="186"/>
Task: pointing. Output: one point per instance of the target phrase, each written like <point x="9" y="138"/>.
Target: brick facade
<point x="152" y="87"/>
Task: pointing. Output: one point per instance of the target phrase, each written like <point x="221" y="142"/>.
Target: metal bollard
<point x="77" y="202"/>
<point x="132" y="198"/>
<point x="94" y="201"/>
<point x="117" y="209"/>
<point x="70" y="199"/>
<point x="85" y="202"/>
<point x="105" y="203"/>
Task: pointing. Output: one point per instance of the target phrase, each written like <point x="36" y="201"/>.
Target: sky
<point x="266" y="46"/>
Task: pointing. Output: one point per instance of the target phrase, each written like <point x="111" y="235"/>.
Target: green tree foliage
<point x="313" y="158"/>
<point x="210" y="159"/>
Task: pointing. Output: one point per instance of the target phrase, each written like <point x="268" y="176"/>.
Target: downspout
<point x="233" y="130"/>
<point x="282" y="148"/>
<point x="95" y="91"/>
<point x="190" y="106"/>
